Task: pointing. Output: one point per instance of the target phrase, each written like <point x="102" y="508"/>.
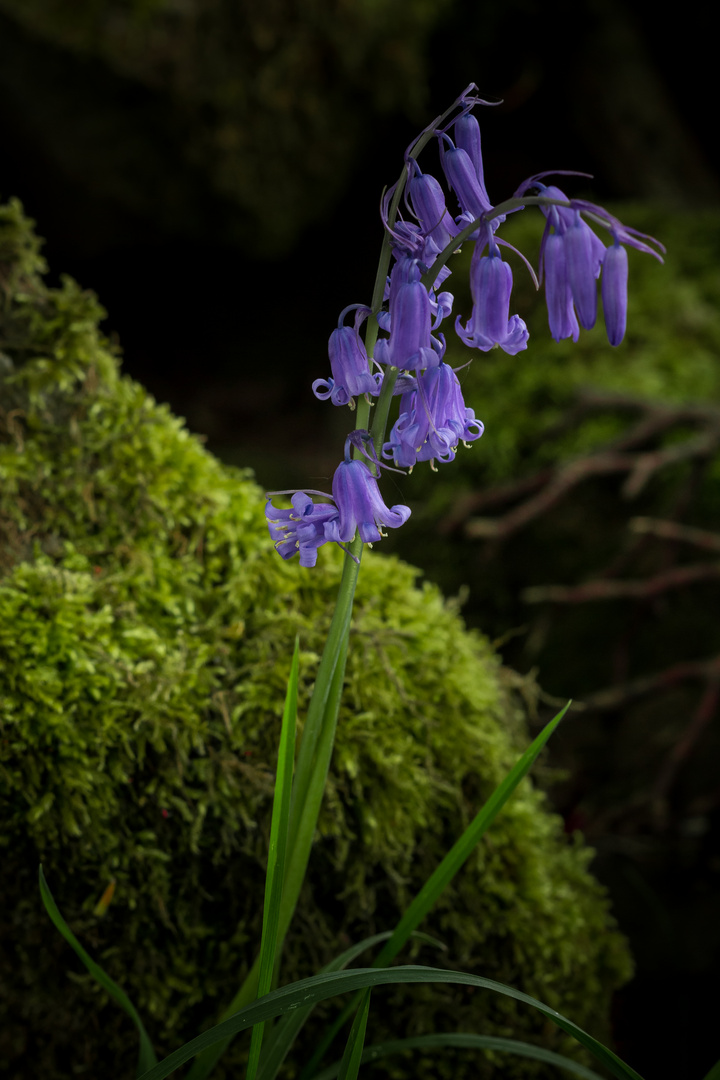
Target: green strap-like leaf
<point x="320" y="987"/>
<point x="442" y="876"/>
<point x="461" y="850"/>
<point x="279" y="829"/>
<point x="714" y="1073"/>
<point x="146" y="1055"/>
<point x="466" y="1042"/>
<point x="350" y="1064"/>
<point x="291" y="1024"/>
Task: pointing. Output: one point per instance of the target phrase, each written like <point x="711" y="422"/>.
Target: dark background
<point x="223" y="305"/>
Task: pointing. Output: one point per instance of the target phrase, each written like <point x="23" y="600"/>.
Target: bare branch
<point x="646" y="589"/>
<point x="670" y="530"/>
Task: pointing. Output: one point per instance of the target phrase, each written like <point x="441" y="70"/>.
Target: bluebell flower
<point x="433" y="420"/>
<point x="462" y="179"/>
<point x="349" y="363"/>
<point x="584" y="253"/>
<point x="428" y="204"/>
<point x="558" y="295"/>
<point x="360" y="506"/>
<point x="572" y="258"/>
<point x="490" y="323"/>
<point x="614" y="292"/>
<point x="411" y="345"/>
<point x="467" y="138"/>
<point x="300" y="529"/>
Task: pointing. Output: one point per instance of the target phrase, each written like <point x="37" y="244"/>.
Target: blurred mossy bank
<point x="146" y="626"/>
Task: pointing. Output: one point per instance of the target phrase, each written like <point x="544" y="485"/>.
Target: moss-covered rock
<point x="145" y="632"/>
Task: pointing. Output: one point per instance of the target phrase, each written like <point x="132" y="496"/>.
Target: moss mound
<point x="145" y="632"/>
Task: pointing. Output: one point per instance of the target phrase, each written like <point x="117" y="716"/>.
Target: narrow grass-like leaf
<point x="441" y="877"/>
<point x="146" y="1054"/>
<point x="291" y="1024"/>
<point x="465" y="1042"/>
<point x="279" y="828"/>
<point x="350" y="1064"/>
<point x="461" y="850"/>
<point x="320" y="987"/>
<point x="714" y="1073"/>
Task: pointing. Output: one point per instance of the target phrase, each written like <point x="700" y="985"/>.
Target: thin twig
<point x="670" y="530"/>
<point x="644" y="589"/>
<point x="617" y="697"/>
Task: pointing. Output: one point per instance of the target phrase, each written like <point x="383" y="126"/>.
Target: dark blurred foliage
<point x="213" y="170"/>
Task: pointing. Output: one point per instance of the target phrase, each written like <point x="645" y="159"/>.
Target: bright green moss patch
<point x="146" y="628"/>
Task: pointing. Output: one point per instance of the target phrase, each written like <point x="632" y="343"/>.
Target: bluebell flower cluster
<point x="357" y="506"/>
<point x="410" y="306"/>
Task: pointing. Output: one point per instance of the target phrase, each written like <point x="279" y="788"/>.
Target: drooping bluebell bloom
<point x="360" y="505"/>
<point x="427" y="200"/>
<point x="349" y="363"/>
<point x="432" y="421"/>
<point x="411" y="345"/>
<point x="409" y="242"/>
<point x="614" y="292"/>
<point x="467" y="138"/>
<point x="490" y="323"/>
<point x="558" y="295"/>
<point x="572" y="257"/>
<point x="584" y="254"/>
<point x="300" y="529"/>
<point x="462" y="179"/>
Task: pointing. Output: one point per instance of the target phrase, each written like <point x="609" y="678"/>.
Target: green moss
<point x="146" y="627"/>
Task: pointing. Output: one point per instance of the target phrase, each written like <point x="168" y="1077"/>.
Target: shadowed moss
<point x="146" y="628"/>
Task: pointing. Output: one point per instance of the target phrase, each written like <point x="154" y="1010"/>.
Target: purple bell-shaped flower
<point x="433" y="420"/>
<point x="410" y="345"/>
<point x="614" y="292"/>
<point x="349" y="364"/>
<point x="428" y="203"/>
<point x="490" y="323"/>
<point x="360" y="505"/>
<point x="301" y="529"/>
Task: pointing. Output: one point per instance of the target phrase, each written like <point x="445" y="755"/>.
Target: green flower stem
<point x="335" y="648"/>
<point x="382" y="409"/>
<point x="362" y="413"/>
<point x="304" y="827"/>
